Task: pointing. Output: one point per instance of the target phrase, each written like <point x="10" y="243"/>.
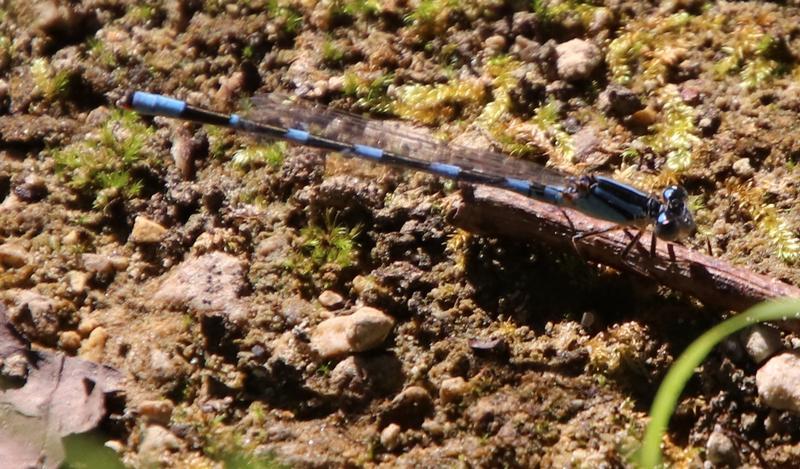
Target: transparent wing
<point x="285" y="111"/>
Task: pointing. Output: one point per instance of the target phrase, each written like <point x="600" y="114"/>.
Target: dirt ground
<point x="218" y="273"/>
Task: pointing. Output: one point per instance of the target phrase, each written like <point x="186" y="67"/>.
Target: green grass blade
<point x="670" y="390"/>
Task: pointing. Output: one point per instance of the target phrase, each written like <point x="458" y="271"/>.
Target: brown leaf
<point x="61" y="396"/>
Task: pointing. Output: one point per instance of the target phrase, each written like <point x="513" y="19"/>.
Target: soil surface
<point x="271" y="305"/>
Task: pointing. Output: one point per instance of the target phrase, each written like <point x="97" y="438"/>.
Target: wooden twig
<point x="713" y="281"/>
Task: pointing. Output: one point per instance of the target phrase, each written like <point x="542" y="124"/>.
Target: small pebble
<point x="94" y="346"/>
<point x="69" y="341"/>
<point x="778" y="382"/>
<point x="742" y="167"/>
<point x="72" y="238"/>
<point x="32" y="189"/>
<point x="86" y="326"/>
<point x="97" y="263"/>
<point x="410" y="408"/>
<point x="365" y="329"/>
<point x="643" y="117"/>
<point x="13" y="255"/>
<point x="146" y="231"/>
<point x="433" y="428"/>
<point x="330" y="299"/>
<point x="588" y="319"/>
<point x="617" y="100"/>
<point x="156" y="442"/>
<point x="453" y="389"/>
<point x="77" y="281"/>
<point x="577" y="59"/>
<point x="721" y="450"/>
<point x="390" y="436"/>
<point x="158" y="412"/>
<point x="495" y="44"/>
<point x="761" y="342"/>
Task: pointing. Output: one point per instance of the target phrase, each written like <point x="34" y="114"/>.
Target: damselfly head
<point x="674" y="220"/>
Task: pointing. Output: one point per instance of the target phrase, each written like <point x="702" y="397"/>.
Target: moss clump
<point x="432" y="104"/>
<point x="782" y="237"/>
<point x="101" y="166"/>
<point x="327" y="248"/>
<point x="271" y="155"/>
<point x="565" y="12"/>
<point x="547" y="119"/>
<point x="51" y="84"/>
<point x="753" y="54"/>
<point x="288" y="17"/>
<point x="646" y="50"/>
<point x="675" y="135"/>
<point x="370" y="93"/>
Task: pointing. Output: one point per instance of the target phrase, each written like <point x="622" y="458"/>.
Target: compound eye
<point x="675" y="198"/>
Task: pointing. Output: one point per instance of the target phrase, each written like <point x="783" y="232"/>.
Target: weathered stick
<point x="496" y="212"/>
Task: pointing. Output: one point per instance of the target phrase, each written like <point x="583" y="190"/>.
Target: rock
<point x="77" y="281"/>
<point x="720" y="449"/>
<point x="390" y="436"/>
<point x="32" y="189"/>
<point x="453" y="389"/>
<point x="86" y="326"/>
<point x="97" y="263"/>
<point x="761" y="342"/>
<point x="409" y="408"/>
<point x="210" y="284"/>
<point x="36" y="316"/>
<point x="778" y="382"/>
<point x="156" y="442"/>
<point x="94" y="346"/>
<point x="184" y="151"/>
<point x="69" y="341"/>
<point x="156" y="412"/>
<point x="577" y="59"/>
<point x="495" y="44"/>
<point x="365" y="329"/>
<point x="359" y="377"/>
<point x="13" y="255"/>
<point x="146" y="231"/>
<point x="619" y="101"/>
<point x="330" y="299"/>
<point x="742" y="167"/>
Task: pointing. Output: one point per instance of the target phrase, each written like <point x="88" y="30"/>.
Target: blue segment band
<point x="554" y="195"/>
<point x="300" y="136"/>
<point x="447" y="170"/>
<point x="234" y="120"/>
<point x="368" y="152"/>
<point x="157" y="105"/>
<point x="518" y="185"/>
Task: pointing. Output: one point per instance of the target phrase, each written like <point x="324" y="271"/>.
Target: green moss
<point x="371" y="94"/>
<point x="783" y="239"/>
<point x="356" y="8"/>
<point x="50" y="83"/>
<point x="98" y="50"/>
<point x="272" y="155"/>
<point x="557" y="12"/>
<point x="325" y="246"/>
<point x="141" y="13"/>
<point x="753" y="54"/>
<point x="675" y="134"/>
<point x="438" y="103"/>
<point x="286" y="14"/>
<point x="641" y="52"/>
<point x="100" y="166"/>
<point x="332" y="53"/>
<point x="548" y="120"/>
